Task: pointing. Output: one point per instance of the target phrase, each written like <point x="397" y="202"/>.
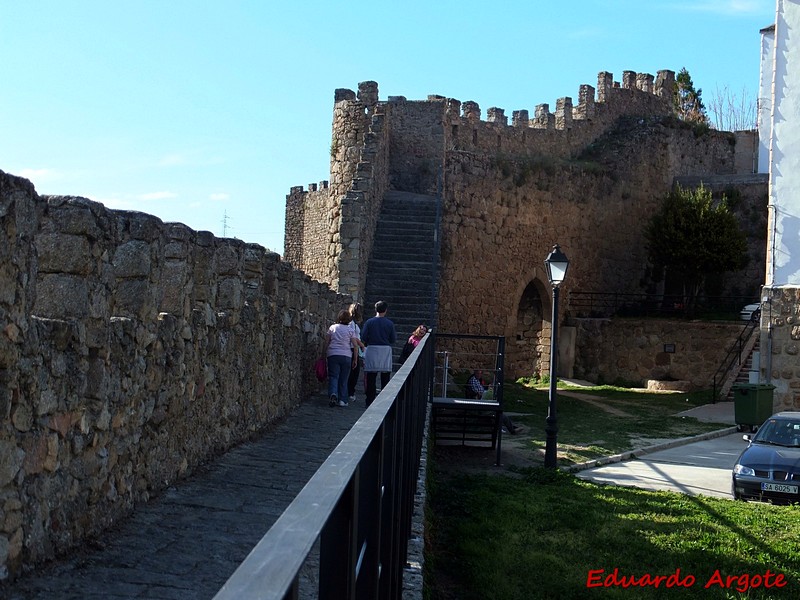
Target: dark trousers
<point x="353" y="381"/>
<point x="372" y="391"/>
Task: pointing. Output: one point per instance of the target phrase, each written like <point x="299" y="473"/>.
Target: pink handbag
<point x="321" y="368"/>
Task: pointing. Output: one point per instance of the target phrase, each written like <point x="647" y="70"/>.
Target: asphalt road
<point x="697" y="468"/>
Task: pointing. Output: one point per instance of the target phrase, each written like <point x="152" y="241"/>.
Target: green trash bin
<point x="752" y="404"/>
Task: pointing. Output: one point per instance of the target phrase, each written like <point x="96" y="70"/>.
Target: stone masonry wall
<point x="780" y="346"/>
<point x="632" y="350"/>
<point x="417" y="143"/>
<point x="306" y="235"/>
<point x="130" y="352"/>
<point x="502" y="215"/>
<point x="511" y="190"/>
<point x="329" y="232"/>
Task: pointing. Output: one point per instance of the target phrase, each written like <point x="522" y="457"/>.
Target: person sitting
<point x="474" y="388"/>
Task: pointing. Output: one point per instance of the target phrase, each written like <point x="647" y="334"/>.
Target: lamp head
<point x="557" y="264"/>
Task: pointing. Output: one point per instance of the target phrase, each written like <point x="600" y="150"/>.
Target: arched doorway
<point x="528" y="352"/>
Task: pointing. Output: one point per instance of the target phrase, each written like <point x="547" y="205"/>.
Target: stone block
<point x="63" y="253"/>
<point x="131" y="297"/>
<point x="132" y="259"/>
<point x="61" y="296"/>
<point x="11" y="458"/>
<point x="229" y="294"/>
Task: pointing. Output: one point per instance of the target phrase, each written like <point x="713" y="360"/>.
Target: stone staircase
<point x="743" y="376"/>
<point x="403" y="267"/>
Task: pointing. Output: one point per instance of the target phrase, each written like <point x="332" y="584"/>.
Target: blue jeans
<point x="338" y="374"/>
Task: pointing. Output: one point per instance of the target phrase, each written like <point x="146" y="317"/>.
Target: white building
<point x="779" y="130"/>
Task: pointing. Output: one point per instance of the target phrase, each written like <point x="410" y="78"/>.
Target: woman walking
<point x="341" y="349"/>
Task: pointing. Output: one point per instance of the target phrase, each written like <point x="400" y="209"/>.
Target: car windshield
<point x="780" y="432"/>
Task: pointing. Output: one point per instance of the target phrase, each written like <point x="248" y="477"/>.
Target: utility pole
<point x="225" y="224"/>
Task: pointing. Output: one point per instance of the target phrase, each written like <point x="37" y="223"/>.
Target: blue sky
<point x="192" y="111"/>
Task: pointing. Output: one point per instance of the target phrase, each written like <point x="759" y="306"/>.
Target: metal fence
<point x="346" y="534"/>
<point x="608" y="304"/>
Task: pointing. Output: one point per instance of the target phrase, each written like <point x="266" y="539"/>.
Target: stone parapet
<point x="131" y="351"/>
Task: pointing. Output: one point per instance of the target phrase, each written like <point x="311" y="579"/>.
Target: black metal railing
<point x="346" y="533"/>
<point x="734" y="357"/>
<point x="608" y="304"/>
<point x="457" y="356"/>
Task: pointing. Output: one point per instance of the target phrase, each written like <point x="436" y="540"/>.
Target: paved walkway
<point x="188" y="541"/>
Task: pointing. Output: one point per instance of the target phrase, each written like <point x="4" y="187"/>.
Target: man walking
<point x="378" y="334"/>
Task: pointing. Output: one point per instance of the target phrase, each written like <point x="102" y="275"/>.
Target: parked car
<point x="751" y="311"/>
<point x="769" y="468"/>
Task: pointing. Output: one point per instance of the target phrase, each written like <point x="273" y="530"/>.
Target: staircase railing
<point x="732" y="358"/>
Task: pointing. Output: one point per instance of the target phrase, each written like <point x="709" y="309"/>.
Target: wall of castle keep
<point x="132" y="350"/>
<point x="585" y="174"/>
<point x="502" y="216"/>
<point x="631" y="351"/>
<point x="329" y="231"/>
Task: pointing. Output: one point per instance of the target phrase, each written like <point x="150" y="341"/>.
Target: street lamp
<point x="557" y="264"/>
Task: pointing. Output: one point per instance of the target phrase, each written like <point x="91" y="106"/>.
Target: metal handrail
<point x="733" y="357"/>
<point x="607" y="304"/>
<point x="356" y="509"/>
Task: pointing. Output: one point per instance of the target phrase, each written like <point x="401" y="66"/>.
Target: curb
<point x="637" y="452"/>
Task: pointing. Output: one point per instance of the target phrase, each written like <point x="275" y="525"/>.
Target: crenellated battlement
<point x="607" y="93"/>
<point x="399" y="144"/>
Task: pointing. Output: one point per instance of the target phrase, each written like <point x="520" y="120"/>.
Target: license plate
<point x="779" y="487"/>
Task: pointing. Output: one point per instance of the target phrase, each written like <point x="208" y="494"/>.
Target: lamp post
<point x="557" y="264"/>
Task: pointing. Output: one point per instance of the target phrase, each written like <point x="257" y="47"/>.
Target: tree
<point x="688" y="101"/>
<point x="733" y="112"/>
<point x="693" y="236"/>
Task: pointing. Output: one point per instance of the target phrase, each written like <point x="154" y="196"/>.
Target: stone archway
<point x="528" y="352"/>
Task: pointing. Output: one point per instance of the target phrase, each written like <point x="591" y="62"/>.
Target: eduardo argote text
<point x="741" y="582"/>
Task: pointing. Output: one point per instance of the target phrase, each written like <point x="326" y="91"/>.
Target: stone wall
<point x="503" y="213"/>
<point x="586" y="175"/>
<point x="780" y="346"/>
<point x="307" y="229"/>
<point x="632" y="351"/>
<point x="329" y="232"/>
<point x="130" y="352"/>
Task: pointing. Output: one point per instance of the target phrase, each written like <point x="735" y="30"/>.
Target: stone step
<point x="401" y="266"/>
<point x="403" y="233"/>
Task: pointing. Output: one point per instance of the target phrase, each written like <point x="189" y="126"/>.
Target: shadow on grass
<point x="548" y="534"/>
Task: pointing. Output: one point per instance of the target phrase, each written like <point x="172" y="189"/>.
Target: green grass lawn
<point x="536" y="533"/>
<point x="617" y="420"/>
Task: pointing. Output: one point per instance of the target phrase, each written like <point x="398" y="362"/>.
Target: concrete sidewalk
<point x="189" y="540"/>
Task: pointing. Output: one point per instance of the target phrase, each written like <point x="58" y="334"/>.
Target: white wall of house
<point x="783" y="251"/>
<point x="765" y="97"/>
